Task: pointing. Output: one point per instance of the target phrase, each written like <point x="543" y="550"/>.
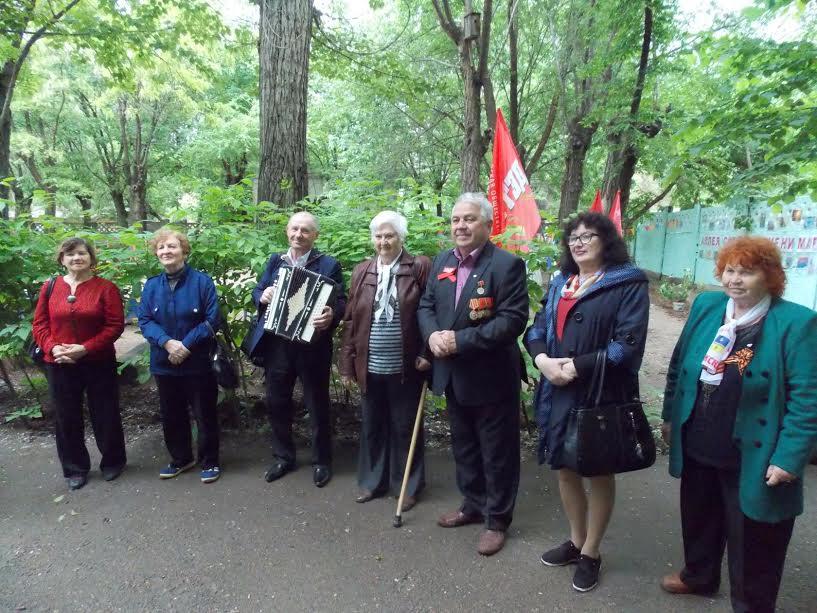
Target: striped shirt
<point x="386" y="345"/>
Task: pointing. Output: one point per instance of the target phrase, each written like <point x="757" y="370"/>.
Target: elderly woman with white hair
<point x="383" y="353"/>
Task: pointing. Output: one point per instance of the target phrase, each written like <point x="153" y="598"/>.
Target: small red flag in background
<point x="615" y="212"/>
<point x="508" y="189"/>
<point x="597" y="207"/>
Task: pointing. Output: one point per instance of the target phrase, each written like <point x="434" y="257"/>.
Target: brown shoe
<point x="455" y="519"/>
<point x="675" y="585"/>
<point x="490" y="541"/>
<point x="408" y="503"/>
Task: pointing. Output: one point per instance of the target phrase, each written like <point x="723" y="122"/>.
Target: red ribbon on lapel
<point x="449" y="272"/>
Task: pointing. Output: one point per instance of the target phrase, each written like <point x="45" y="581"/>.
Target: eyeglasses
<point x="581" y="239"/>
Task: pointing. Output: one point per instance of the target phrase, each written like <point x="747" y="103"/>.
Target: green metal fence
<point x="671" y="244"/>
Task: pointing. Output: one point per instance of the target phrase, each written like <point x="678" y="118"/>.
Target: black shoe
<point x="321" y="474"/>
<point x="109" y="474"/>
<point x="76" y="481"/>
<point x="364" y="496"/>
<point x="277" y="470"/>
<point x="587" y="574"/>
<point x="564" y="554"/>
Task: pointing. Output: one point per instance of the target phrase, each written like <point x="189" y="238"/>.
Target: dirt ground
<point x="240" y="544"/>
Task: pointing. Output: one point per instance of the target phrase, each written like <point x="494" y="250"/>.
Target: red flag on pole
<point x="597" y="207"/>
<point x="615" y="212"/>
<point x="508" y="189"/>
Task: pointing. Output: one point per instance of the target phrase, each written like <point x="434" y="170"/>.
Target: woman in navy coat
<point x="178" y="315"/>
<point x="599" y="302"/>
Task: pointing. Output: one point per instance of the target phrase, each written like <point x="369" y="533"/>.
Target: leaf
<point x="59" y="498"/>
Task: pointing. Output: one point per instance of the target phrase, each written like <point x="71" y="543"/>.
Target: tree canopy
<point x="126" y="111"/>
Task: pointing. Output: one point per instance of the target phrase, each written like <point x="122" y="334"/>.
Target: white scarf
<point x="721" y="347"/>
<point x="575" y="287"/>
<point x="386" y="295"/>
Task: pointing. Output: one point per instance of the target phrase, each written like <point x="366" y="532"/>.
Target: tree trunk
<point x="22" y="203"/>
<point x="473" y="148"/>
<point x="85" y="205"/>
<point x="623" y="154"/>
<point x="44" y="184"/>
<point x="5" y="134"/>
<point x="234" y="176"/>
<point x="579" y="139"/>
<point x="285" y="36"/>
<point x="138" y="189"/>
<point x="513" y="77"/>
<point x="118" y="198"/>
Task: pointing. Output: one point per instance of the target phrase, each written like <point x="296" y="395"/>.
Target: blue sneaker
<point x="208" y="475"/>
<point x="174" y="470"/>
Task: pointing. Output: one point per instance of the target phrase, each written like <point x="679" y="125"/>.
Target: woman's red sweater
<point x="94" y="320"/>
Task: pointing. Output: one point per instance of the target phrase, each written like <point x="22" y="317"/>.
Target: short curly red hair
<point x="755" y="253"/>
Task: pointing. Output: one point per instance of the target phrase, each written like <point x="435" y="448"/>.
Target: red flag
<point x="615" y="212"/>
<point x="509" y="190"/>
<point x="597" y="207"/>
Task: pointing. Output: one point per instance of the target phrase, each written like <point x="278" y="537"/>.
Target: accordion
<point x="298" y="296"/>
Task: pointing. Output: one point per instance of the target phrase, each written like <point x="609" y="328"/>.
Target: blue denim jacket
<point x="179" y="314"/>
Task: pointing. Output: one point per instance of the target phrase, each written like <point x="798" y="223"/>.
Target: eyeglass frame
<point x="572" y="240"/>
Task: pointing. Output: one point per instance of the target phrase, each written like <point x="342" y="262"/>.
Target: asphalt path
<point x="240" y="544"/>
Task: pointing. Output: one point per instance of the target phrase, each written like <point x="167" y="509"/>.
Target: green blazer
<point x="777" y="414"/>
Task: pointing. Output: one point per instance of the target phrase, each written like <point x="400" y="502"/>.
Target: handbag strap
<point x="224" y="328"/>
<point x="50" y="288"/>
<point x="597" y="380"/>
<point x="210" y="327"/>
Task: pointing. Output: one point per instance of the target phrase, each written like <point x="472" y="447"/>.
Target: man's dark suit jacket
<point x="486" y="367"/>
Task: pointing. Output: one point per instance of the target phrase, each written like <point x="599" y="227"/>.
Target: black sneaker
<point x="587" y="574"/>
<point x="564" y="554"/>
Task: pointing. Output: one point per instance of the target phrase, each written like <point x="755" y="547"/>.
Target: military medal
<point x="481" y="288"/>
<point x="474" y="315"/>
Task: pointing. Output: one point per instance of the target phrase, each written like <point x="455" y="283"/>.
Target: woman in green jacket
<point x="740" y="415"/>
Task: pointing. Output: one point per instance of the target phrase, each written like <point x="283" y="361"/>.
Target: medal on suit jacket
<point x="481" y="287"/>
<point x="480" y="307"/>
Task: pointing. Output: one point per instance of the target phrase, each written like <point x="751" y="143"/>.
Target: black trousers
<point x="485" y="442"/>
<point x="285" y="362"/>
<point x="178" y="395"/>
<point x="67" y="384"/>
<point x="711" y="519"/>
<point x="389" y="408"/>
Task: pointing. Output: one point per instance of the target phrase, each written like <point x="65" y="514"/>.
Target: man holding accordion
<point x="300" y="299"/>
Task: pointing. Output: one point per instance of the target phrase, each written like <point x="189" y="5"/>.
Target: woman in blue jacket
<point x="178" y="315"/>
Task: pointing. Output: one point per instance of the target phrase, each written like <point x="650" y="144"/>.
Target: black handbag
<point x="610" y="438"/>
<point x="223" y="362"/>
<point x="35" y="352"/>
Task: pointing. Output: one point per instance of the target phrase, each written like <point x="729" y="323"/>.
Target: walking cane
<point x="398" y="519"/>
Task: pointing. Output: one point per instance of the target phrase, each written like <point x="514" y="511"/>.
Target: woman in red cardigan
<point x="76" y="328"/>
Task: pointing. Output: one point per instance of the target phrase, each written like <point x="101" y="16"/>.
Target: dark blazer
<point x="487" y="366"/>
<point x="181" y="315"/>
<point x="318" y="262"/>
<point x="777" y="414"/>
<point x="412" y="275"/>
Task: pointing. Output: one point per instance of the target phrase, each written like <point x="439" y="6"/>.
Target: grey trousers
<point x="389" y="408"/>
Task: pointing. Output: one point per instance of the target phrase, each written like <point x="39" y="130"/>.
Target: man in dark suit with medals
<point x="474" y="308"/>
<point x="284" y="360"/>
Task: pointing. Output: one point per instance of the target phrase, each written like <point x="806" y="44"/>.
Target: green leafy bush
<point x="231" y="239"/>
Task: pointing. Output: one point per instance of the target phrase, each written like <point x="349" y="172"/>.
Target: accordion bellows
<point x="298" y="295"/>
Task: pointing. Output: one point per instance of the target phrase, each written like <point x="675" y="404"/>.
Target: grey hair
<point x="311" y="217"/>
<point x="393" y="219"/>
<point x="478" y="198"/>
